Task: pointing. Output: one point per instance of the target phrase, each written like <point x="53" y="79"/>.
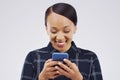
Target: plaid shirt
<point x="86" y="61"/>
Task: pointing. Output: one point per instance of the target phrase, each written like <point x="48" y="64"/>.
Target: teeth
<point x="60" y="43"/>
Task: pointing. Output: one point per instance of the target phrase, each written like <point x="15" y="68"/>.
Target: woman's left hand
<point x="69" y="70"/>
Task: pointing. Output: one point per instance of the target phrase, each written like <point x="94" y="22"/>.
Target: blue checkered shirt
<point x="86" y="60"/>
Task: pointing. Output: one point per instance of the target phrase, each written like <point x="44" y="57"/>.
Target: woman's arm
<point x="28" y="68"/>
<point x="96" y="73"/>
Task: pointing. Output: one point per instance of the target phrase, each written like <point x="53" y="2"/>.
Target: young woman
<point x="60" y="22"/>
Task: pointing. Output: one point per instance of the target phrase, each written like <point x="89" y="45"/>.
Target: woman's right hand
<point x="49" y="71"/>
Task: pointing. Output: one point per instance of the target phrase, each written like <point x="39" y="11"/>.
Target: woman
<point x="60" y="22"/>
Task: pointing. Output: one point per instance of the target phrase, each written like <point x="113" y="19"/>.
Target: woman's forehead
<point x="58" y="20"/>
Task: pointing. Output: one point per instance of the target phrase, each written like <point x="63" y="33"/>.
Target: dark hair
<point x="63" y="9"/>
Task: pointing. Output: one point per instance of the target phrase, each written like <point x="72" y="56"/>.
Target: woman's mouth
<point x="60" y="44"/>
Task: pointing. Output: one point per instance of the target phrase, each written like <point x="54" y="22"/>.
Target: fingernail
<point x="64" y="59"/>
<point x="56" y="67"/>
<point x="57" y="71"/>
<point x="59" y="63"/>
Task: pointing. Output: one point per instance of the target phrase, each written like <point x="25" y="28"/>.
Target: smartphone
<point x="58" y="56"/>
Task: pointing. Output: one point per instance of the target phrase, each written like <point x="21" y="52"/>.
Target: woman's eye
<point x="54" y="32"/>
<point x="66" y="31"/>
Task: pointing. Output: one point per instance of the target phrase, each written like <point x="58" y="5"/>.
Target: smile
<point x="60" y="44"/>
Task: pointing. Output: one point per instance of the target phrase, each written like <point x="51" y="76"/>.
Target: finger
<point x="64" y="67"/>
<point x="53" y="74"/>
<point x="50" y="63"/>
<point x="69" y="63"/>
<point x="61" y="71"/>
<point x="51" y="69"/>
<point x="48" y="60"/>
<point x="75" y="67"/>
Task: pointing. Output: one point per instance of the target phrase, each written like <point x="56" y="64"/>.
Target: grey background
<point x="22" y="30"/>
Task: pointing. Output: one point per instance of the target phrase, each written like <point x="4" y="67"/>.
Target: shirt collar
<point x="73" y="48"/>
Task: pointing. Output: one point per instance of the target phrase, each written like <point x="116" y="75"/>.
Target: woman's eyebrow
<point x="67" y="26"/>
<point x="53" y="28"/>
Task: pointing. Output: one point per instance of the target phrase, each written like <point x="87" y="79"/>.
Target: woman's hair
<point x="63" y="9"/>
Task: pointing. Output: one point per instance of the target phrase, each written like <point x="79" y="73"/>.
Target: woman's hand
<point x="69" y="70"/>
<point x="49" y="71"/>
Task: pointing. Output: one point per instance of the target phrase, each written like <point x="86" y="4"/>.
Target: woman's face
<point x="60" y="30"/>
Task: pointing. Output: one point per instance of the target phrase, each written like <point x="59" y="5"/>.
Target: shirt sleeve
<point x="96" y="73"/>
<point x="28" y="68"/>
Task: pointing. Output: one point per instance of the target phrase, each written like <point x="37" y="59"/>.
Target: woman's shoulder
<point x="32" y="54"/>
<point x="87" y="53"/>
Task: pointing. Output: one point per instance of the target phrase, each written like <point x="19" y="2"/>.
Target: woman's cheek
<point x="52" y="37"/>
<point x="69" y="36"/>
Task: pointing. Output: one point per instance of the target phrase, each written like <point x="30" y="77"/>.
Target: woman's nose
<point x="60" y="36"/>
